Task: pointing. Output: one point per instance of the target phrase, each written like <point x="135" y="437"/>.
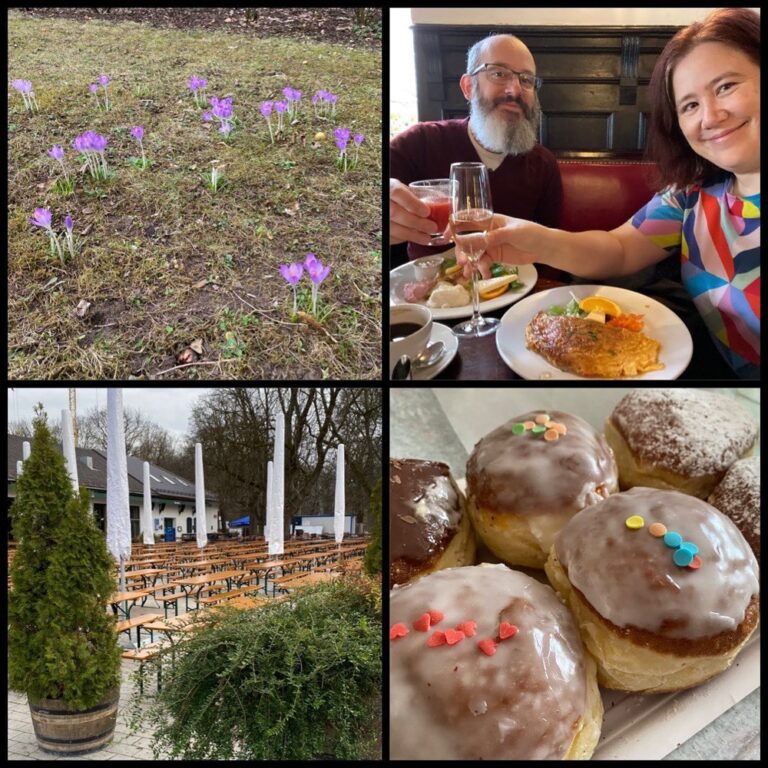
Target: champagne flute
<point x="471" y="218"/>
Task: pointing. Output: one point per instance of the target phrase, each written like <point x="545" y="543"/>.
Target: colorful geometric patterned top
<point x="718" y="235"/>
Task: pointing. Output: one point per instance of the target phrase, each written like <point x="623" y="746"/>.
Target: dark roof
<point x="162" y="481"/>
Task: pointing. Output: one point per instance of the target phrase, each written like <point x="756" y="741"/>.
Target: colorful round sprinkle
<point x="673" y="539"/>
<point x="657" y="529"/>
<point x="635" y="522"/>
<point x="529" y="424"/>
<point x="682" y="557"/>
<point x="518" y="428"/>
<point x="690" y="547"/>
<point x="695" y="563"/>
<point x="542" y="418"/>
<point x="551" y="434"/>
<point x="558" y="427"/>
<point x="538" y="429"/>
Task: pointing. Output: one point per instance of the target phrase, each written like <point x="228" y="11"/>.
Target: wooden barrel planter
<point x="65" y="731"/>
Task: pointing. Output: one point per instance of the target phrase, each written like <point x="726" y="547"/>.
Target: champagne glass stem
<point x="476" y="319"/>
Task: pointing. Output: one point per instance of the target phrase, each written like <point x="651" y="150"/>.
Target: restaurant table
<point x="478" y="359"/>
<point x="188" y="584"/>
<point x="128" y="599"/>
<point x="426" y="424"/>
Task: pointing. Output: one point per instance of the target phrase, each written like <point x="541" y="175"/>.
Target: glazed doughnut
<point x="524" y="485"/>
<point x="738" y="497"/>
<point x="654" y="623"/>
<point x="678" y="439"/>
<point x="513" y="683"/>
<point x="428" y="525"/>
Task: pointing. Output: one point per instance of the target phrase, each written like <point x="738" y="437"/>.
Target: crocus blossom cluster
<point x="24" y="87"/>
<point x="342" y="136"/>
<point x="293" y="97"/>
<point x="324" y="104"/>
<point x="221" y="109"/>
<point x="316" y="272"/>
<point x="92" y="145"/>
<point x="198" y="85"/>
<point x="94" y="88"/>
<point x="43" y="219"/>
<point x="57" y="153"/>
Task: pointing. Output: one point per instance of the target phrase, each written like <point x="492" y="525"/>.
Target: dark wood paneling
<point x="594" y="96"/>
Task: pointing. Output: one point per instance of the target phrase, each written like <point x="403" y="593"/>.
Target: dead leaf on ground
<point x="200" y="283"/>
<point x="82" y="308"/>
<point x="197" y="346"/>
<point x="87" y="229"/>
<point x="292" y="210"/>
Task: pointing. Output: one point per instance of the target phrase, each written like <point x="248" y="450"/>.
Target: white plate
<point x="439" y="333"/>
<point x="405" y="273"/>
<point x="661" y="324"/>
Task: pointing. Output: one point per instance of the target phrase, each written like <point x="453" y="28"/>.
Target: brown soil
<point x="327" y="25"/>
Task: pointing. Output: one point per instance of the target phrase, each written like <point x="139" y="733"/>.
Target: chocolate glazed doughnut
<point x="526" y="480"/>
<point x="664" y="588"/>
<point x="487" y="664"/>
<point x="428" y="525"/>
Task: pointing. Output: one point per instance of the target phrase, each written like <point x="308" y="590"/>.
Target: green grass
<point x="154" y="235"/>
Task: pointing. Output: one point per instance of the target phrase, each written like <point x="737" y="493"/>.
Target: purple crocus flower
<point x="207" y="117"/>
<point x="359" y="138"/>
<point x="68" y="223"/>
<point x="138" y="132"/>
<point x="342" y="133"/>
<point x="309" y="260"/>
<point x="317" y="272"/>
<point x="57" y="153"/>
<point x="222" y="109"/>
<point x="104" y="80"/>
<point x="266" y="108"/>
<point x="292" y="272"/>
<point x="341" y="144"/>
<point x="281" y="106"/>
<point x="42" y="218"/>
<point x="23" y="86"/>
<point x="94" y="87"/>
<point x="225" y="128"/>
<point x="194" y="83"/>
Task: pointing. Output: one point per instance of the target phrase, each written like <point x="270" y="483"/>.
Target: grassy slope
<point x="153" y="235"/>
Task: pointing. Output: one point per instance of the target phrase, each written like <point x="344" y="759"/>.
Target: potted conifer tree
<point x="63" y="650"/>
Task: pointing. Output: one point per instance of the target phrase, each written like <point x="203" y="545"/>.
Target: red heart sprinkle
<point x="488" y="647"/>
<point x="469" y="628"/>
<point x="422" y="623"/>
<point x="397" y="630"/>
<point x="435" y="617"/>
<point x="437" y="638"/>
<point x="507" y="630"/>
<point x="453" y="636"/>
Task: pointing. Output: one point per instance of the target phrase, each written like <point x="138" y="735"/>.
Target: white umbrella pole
<point x="202" y="533"/>
<point x="149" y="536"/>
<point x="338" y="511"/>
<point x="270" y="512"/>
<point x="68" y="447"/>
<point x="118" y="504"/>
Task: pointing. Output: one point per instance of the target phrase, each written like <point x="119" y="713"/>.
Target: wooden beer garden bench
<point x="137" y="621"/>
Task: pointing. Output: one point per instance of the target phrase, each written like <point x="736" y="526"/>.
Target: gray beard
<point x="497" y="133"/>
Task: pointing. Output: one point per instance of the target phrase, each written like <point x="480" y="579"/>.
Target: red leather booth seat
<point x="603" y="194"/>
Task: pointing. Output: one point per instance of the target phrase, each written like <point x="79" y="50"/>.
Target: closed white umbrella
<point x="278" y="472"/>
<point x="118" y="506"/>
<point x="338" y="507"/>
<point x="149" y="536"/>
<point x="202" y="534"/>
<point x="68" y="447"/>
<point x="270" y="513"/>
<point x="19" y="469"/>
<point x="26" y="450"/>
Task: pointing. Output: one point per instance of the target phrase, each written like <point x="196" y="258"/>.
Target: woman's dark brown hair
<point x="677" y="163"/>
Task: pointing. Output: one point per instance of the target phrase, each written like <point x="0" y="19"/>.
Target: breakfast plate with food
<point x="593" y="332"/>
<point x="437" y="282"/>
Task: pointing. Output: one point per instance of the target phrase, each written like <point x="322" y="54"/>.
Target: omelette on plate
<point x="592" y="349"/>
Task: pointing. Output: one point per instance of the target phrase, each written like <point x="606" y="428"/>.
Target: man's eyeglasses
<point x="497" y="74"/>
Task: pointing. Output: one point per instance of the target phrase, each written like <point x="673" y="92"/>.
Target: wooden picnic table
<point x="202" y="565"/>
<point x="144" y="574"/>
<point x="311" y="580"/>
<point x="189" y="583"/>
<point x="129" y="599"/>
<point x="267" y="567"/>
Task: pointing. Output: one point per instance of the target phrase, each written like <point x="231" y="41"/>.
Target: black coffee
<point x="401" y="330"/>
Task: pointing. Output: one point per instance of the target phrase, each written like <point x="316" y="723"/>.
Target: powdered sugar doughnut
<point x="678" y="439"/>
<point x="523" y="485"/>
<point x="429" y="528"/>
<point x="488" y="692"/>
<point x="663" y="586"/>
<point x="738" y="496"/>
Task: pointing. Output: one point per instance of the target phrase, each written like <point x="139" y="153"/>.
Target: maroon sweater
<point x="525" y="186"/>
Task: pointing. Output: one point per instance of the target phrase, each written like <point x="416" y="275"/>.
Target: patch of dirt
<point x="352" y="27"/>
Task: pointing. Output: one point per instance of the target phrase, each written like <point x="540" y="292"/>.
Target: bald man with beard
<point x="501" y="87"/>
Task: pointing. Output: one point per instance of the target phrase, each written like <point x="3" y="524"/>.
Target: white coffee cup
<point x="416" y="321"/>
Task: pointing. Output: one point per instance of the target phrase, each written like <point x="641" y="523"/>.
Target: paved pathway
<point x="125" y="745"/>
